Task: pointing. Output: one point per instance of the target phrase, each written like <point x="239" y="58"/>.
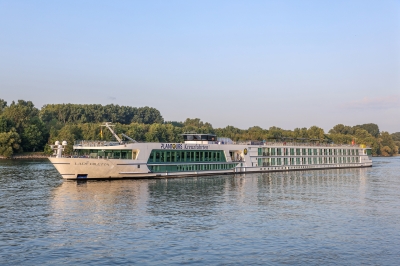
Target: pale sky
<point x="242" y="63"/>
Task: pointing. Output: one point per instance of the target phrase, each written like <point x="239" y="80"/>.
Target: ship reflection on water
<point x="109" y="202"/>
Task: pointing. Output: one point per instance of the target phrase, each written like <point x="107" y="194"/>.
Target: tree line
<point x="25" y="128"/>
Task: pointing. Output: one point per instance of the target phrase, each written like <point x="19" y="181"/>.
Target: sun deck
<point x="102" y="143"/>
<point x="99" y="143"/>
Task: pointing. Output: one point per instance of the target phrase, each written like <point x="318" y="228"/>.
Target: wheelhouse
<point x="194" y="137"/>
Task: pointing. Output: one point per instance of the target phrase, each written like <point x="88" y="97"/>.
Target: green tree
<point x="255" y="133"/>
<point x="147" y="115"/>
<point x="386" y="151"/>
<point x="231" y="132"/>
<point x="341" y="138"/>
<point x="9" y="143"/>
<point x="20" y="113"/>
<point x="91" y="131"/>
<point x="275" y="133"/>
<point x="156" y="133"/>
<point x="3" y="105"/>
<point x="175" y="123"/>
<point x="5" y="124"/>
<point x="372" y="129"/>
<point x="198" y="126"/>
<point x="396" y="136"/>
<point x="32" y="138"/>
<point x="23" y="115"/>
<point x="385" y="140"/>
<point x="341" y="129"/>
<point x="137" y="131"/>
<point x="173" y="133"/>
<point x="97" y="113"/>
<point x="300" y="133"/>
<point x="396" y="139"/>
<point x="315" y="132"/>
<point x="34" y="135"/>
<point x="195" y="122"/>
<point x="397" y="143"/>
<point x="362" y="136"/>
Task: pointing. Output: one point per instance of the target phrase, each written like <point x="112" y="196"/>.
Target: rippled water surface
<point x="348" y="216"/>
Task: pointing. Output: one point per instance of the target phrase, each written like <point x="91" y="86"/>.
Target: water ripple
<point x="330" y="217"/>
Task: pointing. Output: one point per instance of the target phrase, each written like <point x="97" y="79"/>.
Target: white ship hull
<point x="201" y="158"/>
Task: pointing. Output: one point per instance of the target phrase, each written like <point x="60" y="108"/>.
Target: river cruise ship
<point x="199" y="154"/>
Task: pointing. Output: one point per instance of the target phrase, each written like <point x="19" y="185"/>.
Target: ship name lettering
<point x="81" y="163"/>
<point x="94" y="164"/>
<point x="173" y="146"/>
<point x="196" y="147"/>
<point x="99" y="164"/>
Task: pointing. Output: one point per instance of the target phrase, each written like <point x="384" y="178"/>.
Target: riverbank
<point x="27" y="155"/>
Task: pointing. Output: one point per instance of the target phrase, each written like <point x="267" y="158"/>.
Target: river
<point x="327" y="217"/>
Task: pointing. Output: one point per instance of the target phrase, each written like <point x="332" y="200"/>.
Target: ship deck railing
<point x="99" y="143"/>
<point x="103" y="143"/>
<point x="297" y="144"/>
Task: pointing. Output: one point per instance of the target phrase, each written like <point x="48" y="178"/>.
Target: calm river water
<point x="348" y="216"/>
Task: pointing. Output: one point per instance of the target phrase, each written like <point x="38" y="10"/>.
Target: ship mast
<point x="107" y="125"/>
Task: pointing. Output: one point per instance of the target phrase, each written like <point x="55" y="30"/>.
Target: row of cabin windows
<point x="110" y="154"/>
<point x="299" y="151"/>
<point x="162" y="156"/>
<point x="190" y="167"/>
<point x="309" y="160"/>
